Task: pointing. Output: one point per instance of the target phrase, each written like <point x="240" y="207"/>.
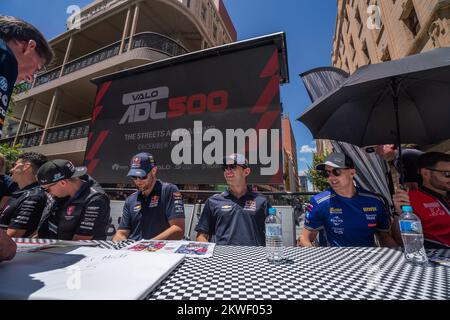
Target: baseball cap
<point x="141" y="164"/>
<point x="336" y="160"/>
<point x="58" y="169"/>
<point x="236" y="158"/>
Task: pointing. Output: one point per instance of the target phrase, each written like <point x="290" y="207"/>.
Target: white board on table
<point x="84" y="273"/>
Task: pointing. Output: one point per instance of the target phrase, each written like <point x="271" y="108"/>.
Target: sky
<point x="309" y="26"/>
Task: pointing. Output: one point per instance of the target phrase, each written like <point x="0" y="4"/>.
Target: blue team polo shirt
<point x="231" y="221"/>
<point x="347" y="222"/>
<point x="147" y="216"/>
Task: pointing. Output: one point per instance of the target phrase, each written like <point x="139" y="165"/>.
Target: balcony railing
<point x="150" y="40"/>
<point x="71" y="131"/>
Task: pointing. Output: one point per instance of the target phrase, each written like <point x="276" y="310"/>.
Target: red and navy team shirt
<point x="433" y="210"/>
<point x="347" y="222"/>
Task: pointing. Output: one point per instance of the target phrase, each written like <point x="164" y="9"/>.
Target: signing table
<point x="306" y="273"/>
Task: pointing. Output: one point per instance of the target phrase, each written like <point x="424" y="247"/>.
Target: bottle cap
<point x="272" y="211"/>
<point x="407" y="209"/>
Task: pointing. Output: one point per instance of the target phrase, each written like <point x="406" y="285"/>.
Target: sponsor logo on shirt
<point x="227" y="208"/>
<point x="177" y="196"/>
<point x="370" y="209"/>
<point x="335" y="210"/>
<point x="69" y="213"/>
<point x="136" y="208"/>
<point x="338" y="230"/>
<point x="250" y="205"/>
<point x="336" y="220"/>
<point x="309" y="207"/>
<point x="154" y="202"/>
<point x="371" y="216"/>
<point x="435" y="209"/>
<point x="3" y="84"/>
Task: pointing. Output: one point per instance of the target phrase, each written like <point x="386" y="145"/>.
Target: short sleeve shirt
<point x="147" y="216"/>
<point x="231" y="221"/>
<point x="24" y="209"/>
<point x="347" y="222"/>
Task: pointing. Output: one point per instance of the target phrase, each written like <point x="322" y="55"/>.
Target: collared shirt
<point x="231" y="221"/>
<point x="147" y="216"/>
<point x="347" y="222"/>
<point x="8" y="76"/>
<point x="87" y="213"/>
<point x="433" y="209"/>
<point x="24" y="209"/>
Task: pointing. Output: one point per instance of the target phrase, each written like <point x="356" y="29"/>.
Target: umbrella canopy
<point x="405" y="100"/>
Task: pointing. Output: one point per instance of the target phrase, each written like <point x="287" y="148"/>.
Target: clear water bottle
<point x="412" y="236"/>
<point x="274" y="239"/>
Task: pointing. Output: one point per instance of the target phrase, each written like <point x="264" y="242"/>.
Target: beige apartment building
<point x="52" y="115"/>
<point x="374" y="31"/>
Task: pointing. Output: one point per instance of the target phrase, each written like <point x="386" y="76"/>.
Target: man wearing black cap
<point x="81" y="209"/>
<point x="345" y="215"/>
<point x="236" y="216"/>
<point x="23" y="211"/>
<point x="156" y="211"/>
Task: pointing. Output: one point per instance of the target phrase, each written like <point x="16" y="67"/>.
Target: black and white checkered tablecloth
<point x="307" y="273"/>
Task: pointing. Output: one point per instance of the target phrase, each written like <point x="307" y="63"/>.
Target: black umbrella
<point x="400" y="101"/>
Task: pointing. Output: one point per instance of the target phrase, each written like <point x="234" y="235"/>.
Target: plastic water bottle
<point x="412" y="236"/>
<point x="274" y="239"/>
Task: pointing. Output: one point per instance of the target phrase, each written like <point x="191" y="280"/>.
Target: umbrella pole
<point x="395" y="90"/>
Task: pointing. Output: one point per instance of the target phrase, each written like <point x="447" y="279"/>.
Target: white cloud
<point x="303" y="159"/>
<point x="308" y="149"/>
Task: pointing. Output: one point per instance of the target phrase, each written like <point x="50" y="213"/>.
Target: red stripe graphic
<point x="94" y="149"/>
<point x="98" y="108"/>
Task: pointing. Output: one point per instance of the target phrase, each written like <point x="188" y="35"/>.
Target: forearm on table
<point x="174" y="232"/>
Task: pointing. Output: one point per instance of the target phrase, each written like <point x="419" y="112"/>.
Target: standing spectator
<point x="23" y="52"/>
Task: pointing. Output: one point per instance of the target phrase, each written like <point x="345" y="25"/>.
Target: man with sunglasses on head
<point x="23" y="211"/>
<point x="80" y="210"/>
<point x="23" y="52"/>
<point x="345" y="215"/>
<point x="430" y="201"/>
<point x="156" y="210"/>
<point x="236" y="216"/>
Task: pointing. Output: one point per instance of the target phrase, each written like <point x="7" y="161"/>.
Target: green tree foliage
<point x="314" y="176"/>
<point x="10" y="153"/>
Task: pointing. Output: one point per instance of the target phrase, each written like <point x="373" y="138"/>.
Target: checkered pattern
<point x="306" y="273"/>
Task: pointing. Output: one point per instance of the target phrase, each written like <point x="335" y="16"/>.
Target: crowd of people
<point x="53" y="199"/>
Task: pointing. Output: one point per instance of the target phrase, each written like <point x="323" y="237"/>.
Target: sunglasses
<point x="138" y="178"/>
<point x="231" y="167"/>
<point x="336" y="172"/>
<point x="445" y="173"/>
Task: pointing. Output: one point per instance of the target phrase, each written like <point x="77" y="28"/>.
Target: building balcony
<point x="149" y="40"/>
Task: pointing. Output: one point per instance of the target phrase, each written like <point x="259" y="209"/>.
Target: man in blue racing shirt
<point x="345" y="215"/>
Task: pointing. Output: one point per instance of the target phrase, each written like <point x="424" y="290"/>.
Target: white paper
<point x="84" y="273"/>
<point x="189" y="248"/>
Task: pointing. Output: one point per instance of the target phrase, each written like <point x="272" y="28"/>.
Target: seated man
<point x="7" y="186"/>
<point x="236" y="216"/>
<point x="346" y="215"/>
<point x="156" y="211"/>
<point x="430" y="201"/>
<point x="23" y="211"/>
<point x="81" y="209"/>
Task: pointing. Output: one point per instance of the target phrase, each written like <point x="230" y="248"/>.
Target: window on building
<point x="188" y="3"/>
<point x="365" y="51"/>
<point x="386" y="55"/>
<point x="409" y="17"/>
<point x="204" y="12"/>
<point x="214" y="31"/>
